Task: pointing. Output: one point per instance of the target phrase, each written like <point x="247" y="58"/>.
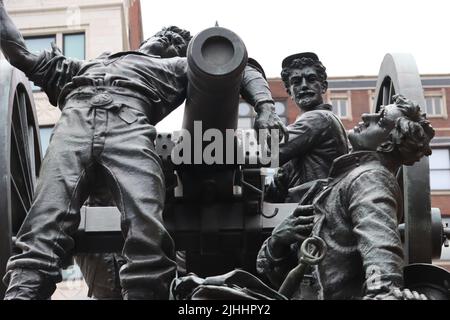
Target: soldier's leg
<point x="101" y="270"/>
<point x="137" y="182"/>
<point x="101" y="273"/>
<point x="45" y="236"/>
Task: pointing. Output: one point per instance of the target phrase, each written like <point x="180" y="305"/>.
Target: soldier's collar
<point x="351" y="161"/>
<point x="325" y="106"/>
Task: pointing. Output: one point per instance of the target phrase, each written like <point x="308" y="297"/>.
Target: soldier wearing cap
<point x="109" y="108"/>
<point x="316" y="138"/>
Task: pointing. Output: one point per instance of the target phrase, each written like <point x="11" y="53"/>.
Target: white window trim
<point x="347" y="95"/>
<point x="59" y="33"/>
<point x="286" y="109"/>
<point x="440" y="191"/>
<point x="435" y="93"/>
<point x="371" y="95"/>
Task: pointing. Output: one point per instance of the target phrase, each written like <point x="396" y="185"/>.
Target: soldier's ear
<point x="324" y="86"/>
<point x="386" y="147"/>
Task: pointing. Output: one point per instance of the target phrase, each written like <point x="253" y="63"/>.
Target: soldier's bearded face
<point x="306" y="88"/>
<point x="374" y="128"/>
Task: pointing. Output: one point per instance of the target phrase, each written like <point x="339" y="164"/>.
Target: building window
<point x="281" y="110"/>
<point x="372" y="102"/>
<point x="341" y="103"/>
<point x="74" y="46"/>
<point x="246" y="116"/>
<point x="340" y="107"/>
<point x="434" y="104"/>
<point x="440" y="169"/>
<point x="36" y="45"/>
<point x="45" y="134"/>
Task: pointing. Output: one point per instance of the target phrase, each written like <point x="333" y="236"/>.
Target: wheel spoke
<point x="391" y="92"/>
<point x="20" y="123"/>
<point x="18" y="167"/>
<point x="19" y="209"/>
<point x="386" y="97"/>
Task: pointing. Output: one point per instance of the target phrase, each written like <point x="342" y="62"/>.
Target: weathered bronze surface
<point x="109" y="106"/>
<point x="218" y="215"/>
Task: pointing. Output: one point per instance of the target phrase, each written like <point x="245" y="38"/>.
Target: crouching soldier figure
<point x="356" y="212"/>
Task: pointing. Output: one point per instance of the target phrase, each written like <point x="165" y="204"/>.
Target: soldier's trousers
<point x="119" y="140"/>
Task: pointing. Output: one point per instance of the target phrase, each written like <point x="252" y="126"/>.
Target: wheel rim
<point x="399" y="75"/>
<point x="20" y="156"/>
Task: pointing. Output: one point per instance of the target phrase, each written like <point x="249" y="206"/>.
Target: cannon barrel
<point x="216" y="61"/>
<point x="217" y="58"/>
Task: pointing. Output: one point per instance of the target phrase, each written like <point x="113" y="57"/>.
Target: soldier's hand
<point x="398" y="294"/>
<point x="267" y="119"/>
<point x="295" y="228"/>
<point x="407" y="294"/>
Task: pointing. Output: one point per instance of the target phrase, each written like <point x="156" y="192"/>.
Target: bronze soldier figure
<point x="356" y="211"/>
<point x="316" y="138"/>
<point x="109" y="108"/>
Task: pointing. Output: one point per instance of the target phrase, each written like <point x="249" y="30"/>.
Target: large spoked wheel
<point x="399" y="75"/>
<point x="20" y="156"/>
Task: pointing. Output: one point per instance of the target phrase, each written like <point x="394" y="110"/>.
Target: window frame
<point x="59" y="41"/>
<point x="437" y="93"/>
<point x="339" y="95"/>
<point x="285" y="115"/>
<point x="252" y="114"/>
<point x="437" y="191"/>
<point x="64" y="34"/>
<point x="47" y="126"/>
<point x="54" y="36"/>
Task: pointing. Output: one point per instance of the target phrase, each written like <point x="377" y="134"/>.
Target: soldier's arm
<point x="255" y="90"/>
<point x="13" y="44"/>
<point x="304" y="135"/>
<point x="273" y="265"/>
<point x="374" y="216"/>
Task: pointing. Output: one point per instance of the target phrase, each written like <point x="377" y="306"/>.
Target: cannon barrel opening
<point x="216" y="61"/>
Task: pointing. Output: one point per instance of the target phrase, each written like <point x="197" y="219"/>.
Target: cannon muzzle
<point x="216" y="61"/>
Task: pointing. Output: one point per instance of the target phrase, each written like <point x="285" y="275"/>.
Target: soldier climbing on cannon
<point x="109" y="108"/>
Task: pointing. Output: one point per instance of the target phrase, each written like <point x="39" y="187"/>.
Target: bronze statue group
<point x="110" y="105"/>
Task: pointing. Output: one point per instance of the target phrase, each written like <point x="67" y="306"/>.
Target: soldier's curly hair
<point x="410" y="140"/>
<point x="186" y="35"/>
<point x="300" y="63"/>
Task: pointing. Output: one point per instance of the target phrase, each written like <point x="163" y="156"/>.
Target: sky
<point x="351" y="37"/>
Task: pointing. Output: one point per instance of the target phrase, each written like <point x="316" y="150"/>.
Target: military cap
<point x="287" y="61"/>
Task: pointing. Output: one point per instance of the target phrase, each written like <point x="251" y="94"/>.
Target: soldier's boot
<point x="28" y="285"/>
